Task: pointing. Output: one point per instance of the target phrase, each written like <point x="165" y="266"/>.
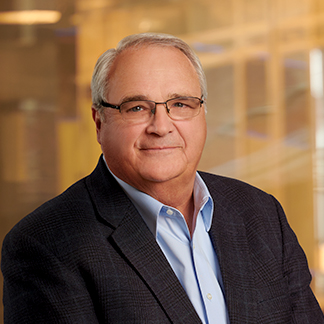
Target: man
<point x="145" y="238"/>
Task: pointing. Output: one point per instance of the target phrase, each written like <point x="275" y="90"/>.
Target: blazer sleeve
<point x="305" y="308"/>
<point x="39" y="288"/>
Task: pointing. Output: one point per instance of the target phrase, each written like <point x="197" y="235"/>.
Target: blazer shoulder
<point x="246" y="200"/>
<point x="93" y="200"/>
<point x="227" y="185"/>
<point x="56" y="212"/>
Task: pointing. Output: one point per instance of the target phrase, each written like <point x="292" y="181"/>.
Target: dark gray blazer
<point x="88" y="257"/>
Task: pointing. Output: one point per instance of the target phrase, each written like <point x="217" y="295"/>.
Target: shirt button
<point x="209" y="296"/>
<point x="169" y="212"/>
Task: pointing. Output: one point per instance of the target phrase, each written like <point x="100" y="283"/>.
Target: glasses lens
<point x="183" y="108"/>
<point x="178" y="108"/>
<point x="137" y="111"/>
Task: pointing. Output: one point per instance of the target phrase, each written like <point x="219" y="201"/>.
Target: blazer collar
<point x="107" y="196"/>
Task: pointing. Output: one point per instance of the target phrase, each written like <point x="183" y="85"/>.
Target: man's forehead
<point x="150" y="59"/>
<point x="149" y="49"/>
<point x="153" y="73"/>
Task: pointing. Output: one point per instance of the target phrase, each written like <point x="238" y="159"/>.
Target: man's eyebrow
<point x="134" y="98"/>
<point x="143" y="97"/>
<point x="178" y="95"/>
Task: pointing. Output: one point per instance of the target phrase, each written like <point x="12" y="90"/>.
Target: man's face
<point x="160" y="150"/>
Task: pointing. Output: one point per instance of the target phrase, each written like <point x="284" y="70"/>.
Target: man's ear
<point x="97" y="119"/>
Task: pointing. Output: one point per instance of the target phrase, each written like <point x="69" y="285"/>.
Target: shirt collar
<point x="149" y="208"/>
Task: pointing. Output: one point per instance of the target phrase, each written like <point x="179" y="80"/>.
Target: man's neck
<point x="177" y="193"/>
<point x="179" y="196"/>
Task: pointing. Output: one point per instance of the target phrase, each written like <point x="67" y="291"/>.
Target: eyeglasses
<point x="140" y="111"/>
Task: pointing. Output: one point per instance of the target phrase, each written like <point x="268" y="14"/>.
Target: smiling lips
<point x="160" y="148"/>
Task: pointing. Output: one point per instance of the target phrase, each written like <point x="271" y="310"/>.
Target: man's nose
<point x="160" y="123"/>
<point x="160" y="103"/>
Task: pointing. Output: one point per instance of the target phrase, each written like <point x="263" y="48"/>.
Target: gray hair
<point x="100" y="76"/>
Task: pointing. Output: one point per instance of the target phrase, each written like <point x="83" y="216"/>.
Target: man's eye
<point x="135" y="109"/>
<point x="181" y="104"/>
<point x="178" y="104"/>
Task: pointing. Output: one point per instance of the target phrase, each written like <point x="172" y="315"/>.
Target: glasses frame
<point x="118" y="107"/>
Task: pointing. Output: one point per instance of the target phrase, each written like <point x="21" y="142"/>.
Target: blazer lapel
<point x="228" y="234"/>
<point x="138" y="245"/>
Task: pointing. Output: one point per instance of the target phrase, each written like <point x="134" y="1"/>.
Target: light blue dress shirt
<point x="193" y="259"/>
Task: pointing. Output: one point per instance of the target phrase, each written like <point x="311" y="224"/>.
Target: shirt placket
<point x="209" y="286"/>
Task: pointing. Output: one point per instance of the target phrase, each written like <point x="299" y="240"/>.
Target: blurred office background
<point x="264" y="64"/>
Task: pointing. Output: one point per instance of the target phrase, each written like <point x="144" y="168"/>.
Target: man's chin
<point x="162" y="175"/>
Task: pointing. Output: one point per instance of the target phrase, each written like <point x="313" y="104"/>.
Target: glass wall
<point x="264" y="64"/>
